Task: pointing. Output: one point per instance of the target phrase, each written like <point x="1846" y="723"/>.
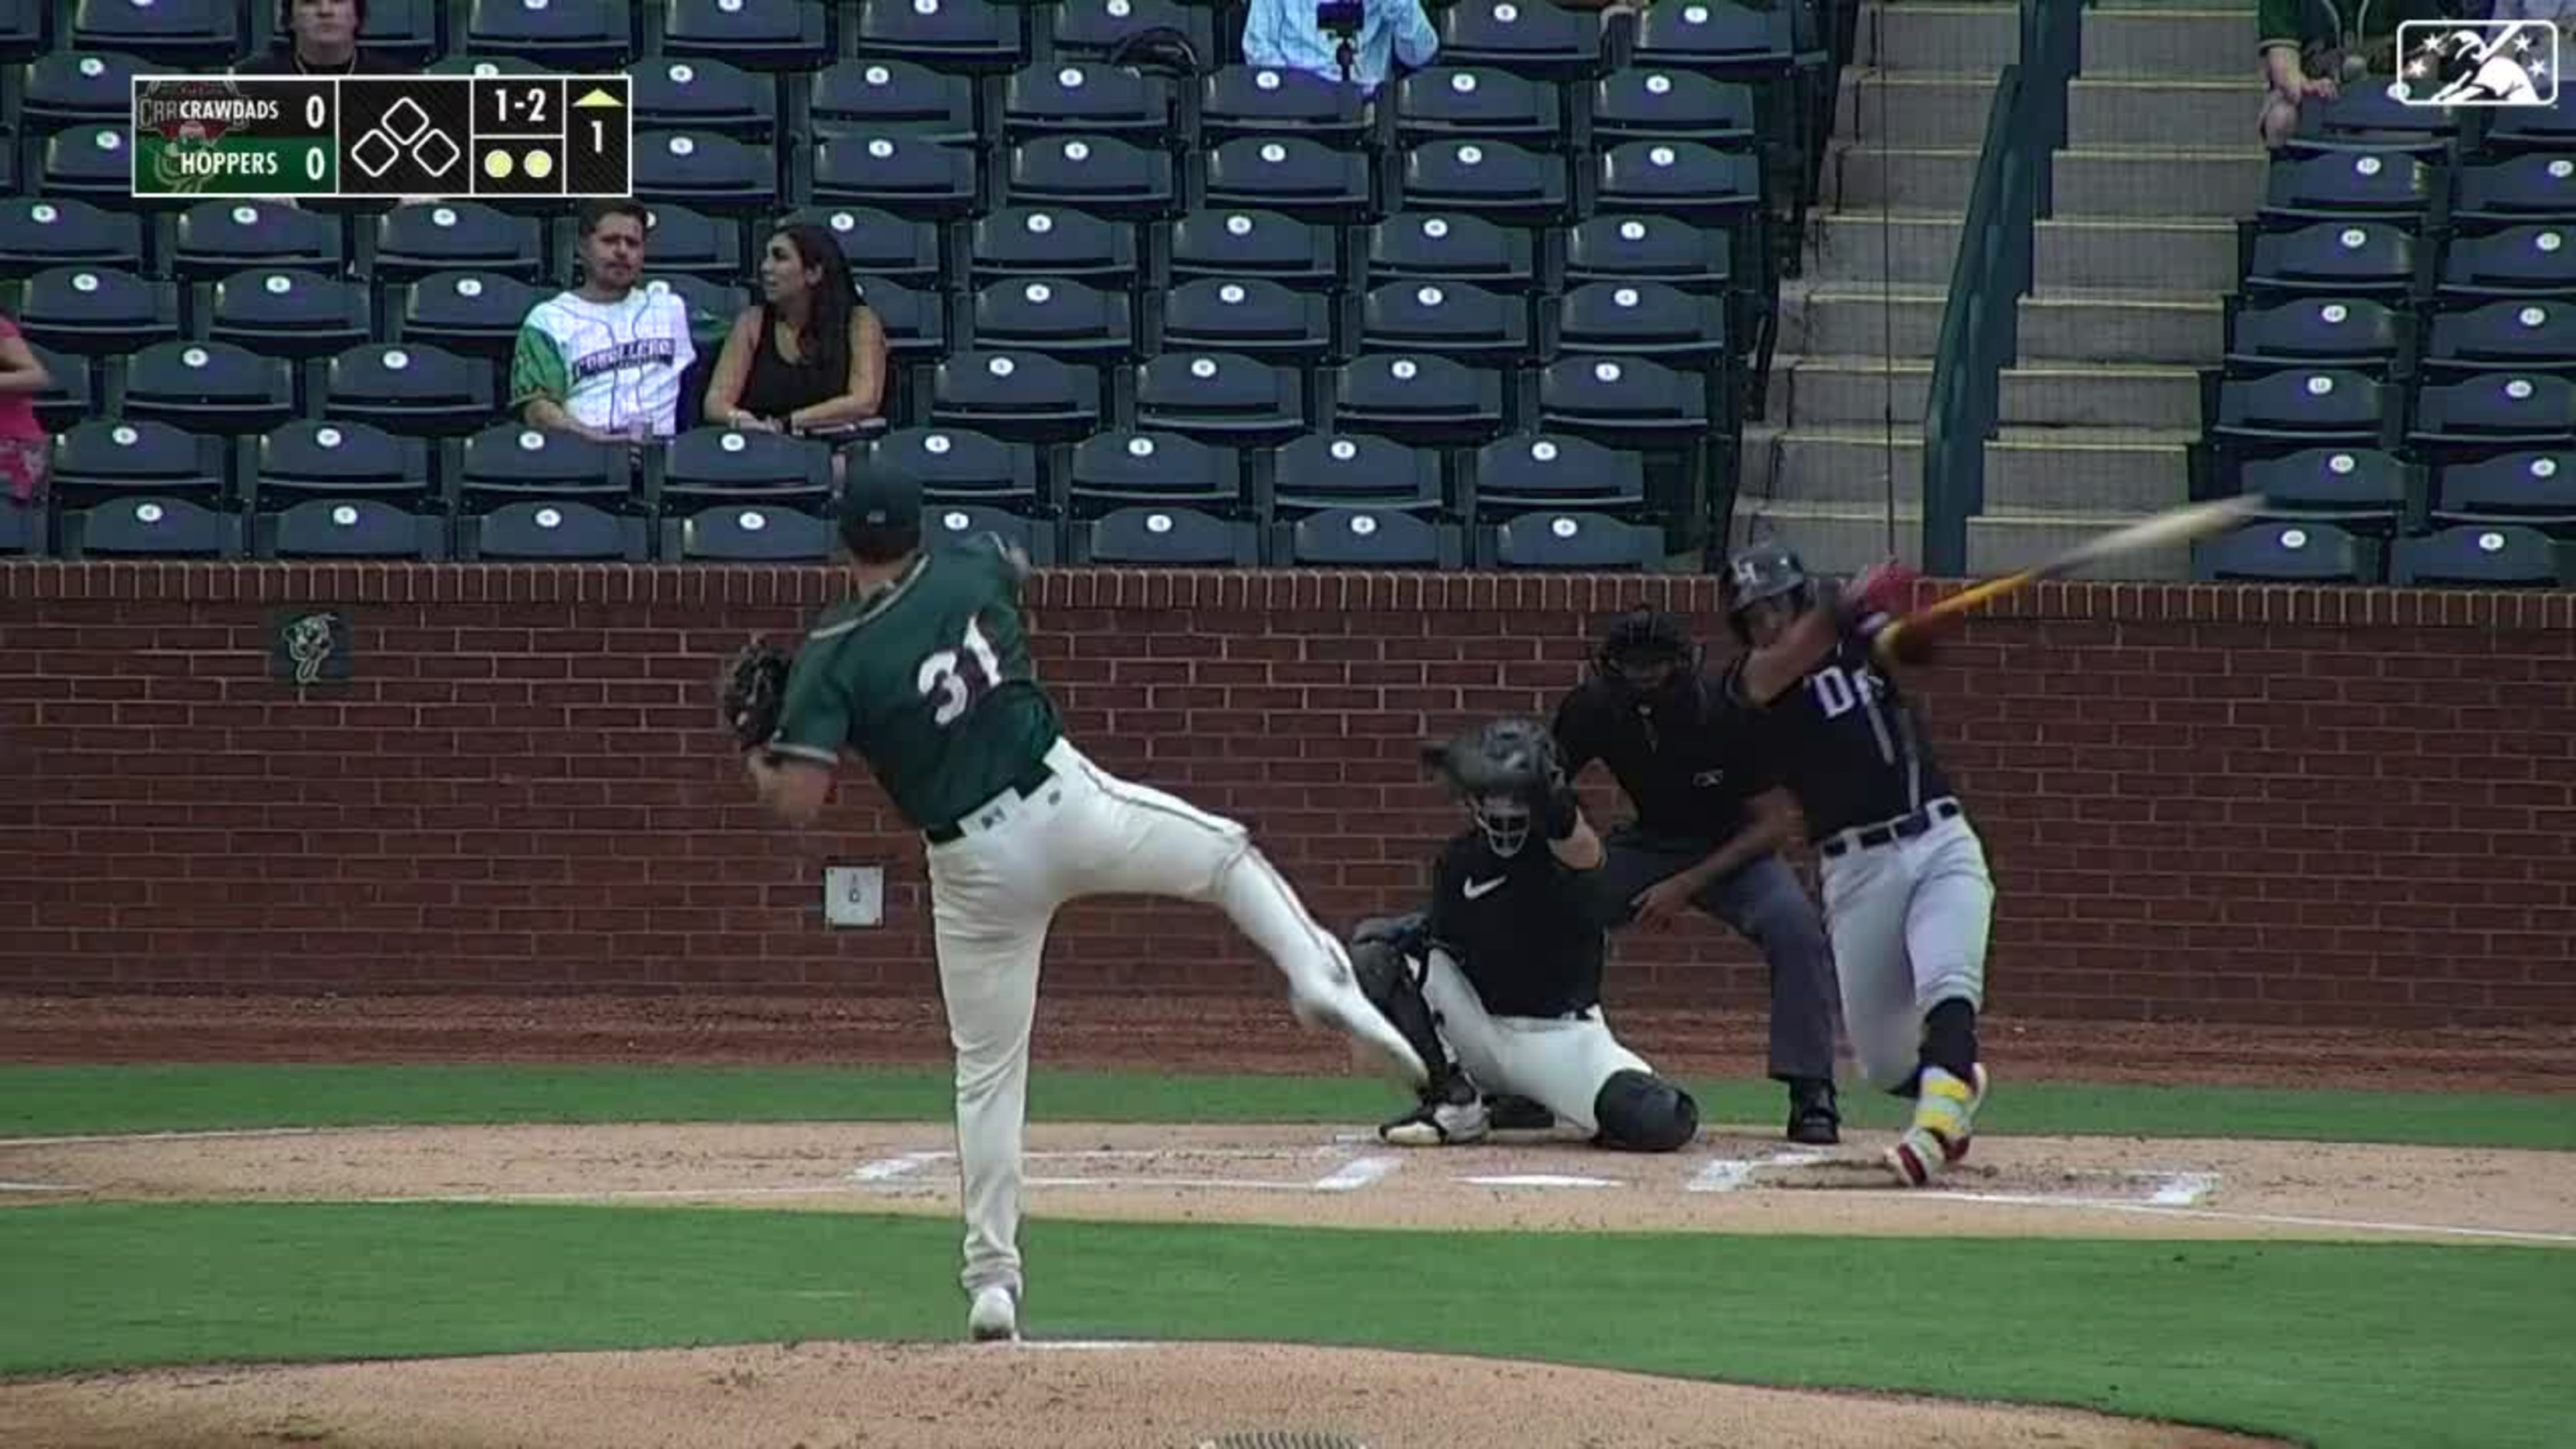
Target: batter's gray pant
<point x="1763" y="903"/>
<point x="1910" y="922"/>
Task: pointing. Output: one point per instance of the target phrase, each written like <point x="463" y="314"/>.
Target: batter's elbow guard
<point x="1641" y="1112"/>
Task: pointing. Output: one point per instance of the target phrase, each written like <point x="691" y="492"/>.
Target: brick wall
<point x="2273" y="805"/>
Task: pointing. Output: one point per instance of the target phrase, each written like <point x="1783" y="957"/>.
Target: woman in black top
<point x="809" y="357"/>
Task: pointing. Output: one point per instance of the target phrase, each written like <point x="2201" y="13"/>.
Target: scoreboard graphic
<point x="349" y="137"/>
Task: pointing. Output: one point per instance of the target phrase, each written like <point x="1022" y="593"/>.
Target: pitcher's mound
<point x="1032" y="1396"/>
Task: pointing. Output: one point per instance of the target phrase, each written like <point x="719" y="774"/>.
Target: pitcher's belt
<point x="1022" y="788"/>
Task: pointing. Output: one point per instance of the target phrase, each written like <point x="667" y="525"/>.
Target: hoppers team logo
<point x="2477" y="63"/>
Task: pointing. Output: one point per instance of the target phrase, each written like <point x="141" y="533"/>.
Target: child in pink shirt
<point x="25" y="451"/>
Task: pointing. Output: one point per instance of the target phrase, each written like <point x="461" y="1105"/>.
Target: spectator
<point x="2310" y="49"/>
<point x="604" y="360"/>
<point x="320" y="37"/>
<point x="25" y="451"/>
<point x="809" y="357"/>
<point x="1287" y="35"/>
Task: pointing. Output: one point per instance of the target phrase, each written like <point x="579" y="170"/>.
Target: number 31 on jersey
<point x="957" y="679"/>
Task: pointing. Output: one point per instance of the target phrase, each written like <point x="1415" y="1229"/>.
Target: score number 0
<point x="317" y="117"/>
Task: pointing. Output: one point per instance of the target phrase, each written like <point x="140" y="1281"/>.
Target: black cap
<point x="879" y="496"/>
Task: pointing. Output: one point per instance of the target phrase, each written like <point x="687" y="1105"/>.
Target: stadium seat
<point x="553" y="532"/>
<point x="702" y="94"/>
<point x="2520" y="261"/>
<point x="418" y="240"/>
<point x="954" y="35"/>
<point x="1507" y="184"/>
<point x="2300" y="407"/>
<point x="564" y="36"/>
<point x="2487" y="556"/>
<point x="1355" y="470"/>
<point x="217" y="238"/>
<point x="95" y="310"/>
<point x="486" y="65"/>
<point x="1244" y="100"/>
<point x="893" y="171"/>
<point x="2535" y="334"/>
<point x="2494" y="411"/>
<point x="2360" y="116"/>
<point x="348" y="528"/>
<point x="1625" y="247"/>
<point x="88" y="162"/>
<point x="748" y="533"/>
<point x="883" y="94"/>
<point x="2515" y="191"/>
<point x="1156" y="536"/>
<point x="2538" y="488"/>
<point x="2346" y="258"/>
<point x="307" y="460"/>
<point x="1681" y="179"/>
<point x="702" y="169"/>
<point x="1535" y="471"/>
<point x="1644" y="103"/>
<point x="723" y="465"/>
<point x="1368" y="538"/>
<point x="2346" y="185"/>
<point x="509" y="463"/>
<point x="1449" y="319"/>
<point x="167" y="34"/>
<point x="957" y="524"/>
<point x="2518" y="129"/>
<point x="1098" y="174"/>
<point x="1641" y="318"/>
<point x="1092" y="29"/>
<point x="2364" y="489"/>
<point x="1225" y="398"/>
<point x="2287" y="553"/>
<point x="1625" y="402"/>
<point x="1292" y="175"/>
<point x="956" y="465"/>
<point x="915" y="322"/>
<point x="74" y="395"/>
<point x="1478" y="103"/>
<point x="150" y="528"/>
<point x="1718" y="38"/>
<point x="37" y="233"/>
<point x="1023" y="397"/>
<point x="1086" y="98"/>
<point x="1527" y="37"/>
<point x="1418" y="398"/>
<point x="210" y="387"/>
<point x="98" y="459"/>
<point x="2342" y="332"/>
<point x="1256" y="318"/>
<point x="1061" y="319"/>
<point x="74" y="88"/>
<point x="880" y="245"/>
<point x="408" y="388"/>
<point x="476" y="314"/>
<point x="1111" y="470"/>
<point x="1231" y="243"/>
<point x="1054" y="242"/>
<point x="1590" y="542"/>
<point x="22" y="32"/>
<point x="765" y="35"/>
<point x="279" y="312"/>
<point x="25" y="530"/>
<point x="1433" y="246"/>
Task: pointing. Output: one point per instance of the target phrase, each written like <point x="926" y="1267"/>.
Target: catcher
<point x="923" y="672"/>
<point x="1505" y="968"/>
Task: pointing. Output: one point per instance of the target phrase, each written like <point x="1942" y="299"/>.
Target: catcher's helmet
<point x="1765" y="570"/>
<point x="1510" y="748"/>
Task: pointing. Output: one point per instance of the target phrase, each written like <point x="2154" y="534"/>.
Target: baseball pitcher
<point x="1504" y="969"/>
<point x="923" y="672"/>
<point x="1907" y="897"/>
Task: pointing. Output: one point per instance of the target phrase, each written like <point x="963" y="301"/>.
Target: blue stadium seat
<point x="553" y="532"/>
<point x="1059" y="318"/>
<point x="748" y="533"/>
<point x="1715" y="37"/>
<point x="1098" y="174"/>
<point x="883" y="94"/>
<point x="424" y="238"/>
<point x="766" y="35"/>
<point x="2516" y="191"/>
<point x="2343" y="332"/>
<point x="1441" y="246"/>
<point x="211" y="387"/>
<point x="95" y="310"/>
<point x="2347" y="185"/>
<point x="1479" y="103"/>
<point x="280" y="312"/>
<point x="1024" y="397"/>
<point x="1354" y="470"/>
<point x="2366" y="115"/>
<point x="485" y="66"/>
<point x="73" y="88"/>
<point x="1681" y="179"/>
<point x="2367" y="490"/>
<point x="1292" y="175"/>
<point x="2493" y="411"/>
<point x="337" y="528"/>
<point x="408" y="388"/>
<point x="723" y="465"/>
<point x="1052" y="241"/>
<point x="25" y="529"/>
<point x="1449" y="319"/>
<point x="169" y="34"/>
<point x="509" y="463"/>
<point x="958" y="35"/>
<point x="1087" y="98"/>
<point x="894" y="171"/>
<point x="915" y="321"/>
<point x="2520" y="261"/>
<point x="476" y="314"/>
<point x="963" y="524"/>
<point x="2534" y="334"/>
<point x="1646" y="103"/>
<point x="1626" y="402"/>
<point x="706" y="170"/>
<point x="2496" y="556"/>
<point x="1508" y="184"/>
<point x="1092" y="29"/>
<point x="703" y="94"/>
<point x="2534" y="487"/>
<point x="2519" y="129"/>
<point x="1553" y="539"/>
<point x="1256" y="318"/>
<point x="1157" y="536"/>
<point x="1112" y="470"/>
<point x="2345" y="258"/>
<point x="2301" y="407"/>
<point x="2287" y="553"/>
<point x="1418" y="398"/>
<point x="1247" y="242"/>
<point x="308" y="460"/>
<point x="89" y="162"/>
<point x="958" y="465"/>
<point x="564" y="36"/>
<point x="99" y="459"/>
<point x="150" y="528"/>
<point x="218" y="238"/>
<point x="1368" y="538"/>
<point x="74" y="395"/>
<point x="1244" y="100"/>
<point x="1527" y="471"/>
<point x="1627" y="246"/>
<point x="1641" y="318"/>
<point x="37" y="233"/>
<point x="1528" y="37"/>
<point x="1220" y="397"/>
<point x="22" y="32"/>
<point x="880" y="245"/>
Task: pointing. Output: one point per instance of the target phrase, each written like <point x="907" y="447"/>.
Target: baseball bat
<point x="2163" y="530"/>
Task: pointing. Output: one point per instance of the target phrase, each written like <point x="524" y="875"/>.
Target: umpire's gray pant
<point x="1763" y="903"/>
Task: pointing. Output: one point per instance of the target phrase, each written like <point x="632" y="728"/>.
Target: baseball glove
<point x="1515" y="759"/>
<point x="750" y="692"/>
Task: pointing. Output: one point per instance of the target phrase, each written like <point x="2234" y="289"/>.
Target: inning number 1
<point x="943" y="675"/>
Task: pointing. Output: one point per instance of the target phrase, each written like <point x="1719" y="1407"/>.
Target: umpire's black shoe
<point x="1518" y="1114"/>
<point x="1814" y="1121"/>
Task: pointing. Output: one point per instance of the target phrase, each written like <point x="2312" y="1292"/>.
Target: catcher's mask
<point x="1507" y="744"/>
<point x="1648" y="656"/>
<point x="1765" y="570"/>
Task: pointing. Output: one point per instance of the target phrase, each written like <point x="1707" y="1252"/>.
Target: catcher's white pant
<point x="994" y="891"/>
<point x="1558" y="1062"/>
<point x="1908" y="921"/>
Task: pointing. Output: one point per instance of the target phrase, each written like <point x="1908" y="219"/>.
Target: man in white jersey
<point x="605" y="360"/>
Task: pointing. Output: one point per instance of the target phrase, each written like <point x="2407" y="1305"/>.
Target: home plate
<point x="1540" y="1179"/>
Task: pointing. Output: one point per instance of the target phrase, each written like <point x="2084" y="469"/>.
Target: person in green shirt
<point x="2314" y="47"/>
<point x="923" y="673"/>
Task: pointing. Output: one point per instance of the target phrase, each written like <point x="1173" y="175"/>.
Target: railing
<point x="1992" y="273"/>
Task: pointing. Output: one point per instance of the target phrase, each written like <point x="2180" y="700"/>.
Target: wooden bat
<point x="2179" y="525"/>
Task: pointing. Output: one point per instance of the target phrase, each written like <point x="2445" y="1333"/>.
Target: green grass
<point x="2346" y="1345"/>
<point x="55" y="1101"/>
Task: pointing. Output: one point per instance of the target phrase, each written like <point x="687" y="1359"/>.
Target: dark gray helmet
<point x="1765" y="570"/>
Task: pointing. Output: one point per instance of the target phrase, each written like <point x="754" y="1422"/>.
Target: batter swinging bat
<point x="2180" y="525"/>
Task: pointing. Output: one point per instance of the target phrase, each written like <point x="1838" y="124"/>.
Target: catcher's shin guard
<point x="1391" y="981"/>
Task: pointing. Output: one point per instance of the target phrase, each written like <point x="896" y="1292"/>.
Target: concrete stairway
<point x="2161" y="160"/>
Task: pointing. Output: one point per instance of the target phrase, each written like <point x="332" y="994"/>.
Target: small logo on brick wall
<point x="2477" y="63"/>
<point x="312" y="647"/>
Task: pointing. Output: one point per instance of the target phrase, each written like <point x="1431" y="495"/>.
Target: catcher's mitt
<point x="750" y="692"/>
<point x="1514" y="759"/>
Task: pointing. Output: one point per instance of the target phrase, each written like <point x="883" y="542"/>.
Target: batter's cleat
<point x="1346" y="1009"/>
<point x="1442" y="1122"/>
<point x="995" y="1318"/>
<point x="1943" y="1121"/>
<point x="1508" y="1113"/>
<point x="1956" y="1150"/>
<point x="1814" y="1119"/>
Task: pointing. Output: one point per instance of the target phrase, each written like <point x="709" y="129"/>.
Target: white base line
<point x="1226" y="1184"/>
<point x="178" y="1136"/>
<point x="39" y="1187"/>
<point x="890" y="1167"/>
<point x="2296" y="1220"/>
<point x="1726" y="1174"/>
<point x="1356" y="1174"/>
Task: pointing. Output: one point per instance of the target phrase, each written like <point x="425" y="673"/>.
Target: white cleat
<point x="995" y="1318"/>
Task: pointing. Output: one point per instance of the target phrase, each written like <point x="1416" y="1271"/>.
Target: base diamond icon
<point x="436" y="153"/>
<point x="375" y="153"/>
<point x="404" y="120"/>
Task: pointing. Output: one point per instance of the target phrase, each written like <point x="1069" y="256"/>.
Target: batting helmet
<point x="1765" y="570"/>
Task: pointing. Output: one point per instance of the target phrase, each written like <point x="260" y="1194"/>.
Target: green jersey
<point x="929" y="680"/>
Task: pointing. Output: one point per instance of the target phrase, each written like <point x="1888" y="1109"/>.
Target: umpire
<point x="1707" y="833"/>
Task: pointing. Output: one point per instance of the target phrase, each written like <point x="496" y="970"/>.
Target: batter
<point x="923" y="672"/>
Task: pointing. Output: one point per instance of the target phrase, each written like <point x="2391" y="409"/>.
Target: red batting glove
<point x="1885" y="588"/>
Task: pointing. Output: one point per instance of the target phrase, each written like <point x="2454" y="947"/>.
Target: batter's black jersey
<point x="1846" y="742"/>
<point x="1523" y="928"/>
<point x="1688" y="767"/>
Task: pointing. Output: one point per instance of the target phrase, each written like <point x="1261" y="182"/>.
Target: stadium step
<point x="1833" y="538"/>
<point x="1939" y="37"/>
<point x="2163" y="111"/>
<point x="1911" y="108"/>
<point x="2134" y="253"/>
<point x="2004" y="542"/>
<point x="1834" y="391"/>
<point x="2209" y="43"/>
<point x="1861" y="319"/>
<point x="2137" y="181"/>
<point x="2128" y="470"/>
<point x="1864" y="176"/>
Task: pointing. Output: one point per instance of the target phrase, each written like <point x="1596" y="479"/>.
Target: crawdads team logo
<point x="2477" y="63"/>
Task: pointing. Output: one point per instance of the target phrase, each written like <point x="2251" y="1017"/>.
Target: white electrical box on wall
<point x="854" y="895"/>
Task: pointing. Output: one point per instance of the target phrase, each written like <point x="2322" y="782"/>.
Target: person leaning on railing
<point x="2315" y="47"/>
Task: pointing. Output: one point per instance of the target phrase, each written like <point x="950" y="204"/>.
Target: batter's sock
<point x="1950" y="1038"/>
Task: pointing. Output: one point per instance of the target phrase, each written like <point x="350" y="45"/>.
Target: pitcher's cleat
<point x="995" y="1318"/>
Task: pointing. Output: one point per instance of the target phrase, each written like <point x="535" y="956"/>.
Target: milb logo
<point x="2477" y="63"/>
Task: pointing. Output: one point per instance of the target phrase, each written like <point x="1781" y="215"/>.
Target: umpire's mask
<point x="1505" y="821"/>
<point x="1648" y="657"/>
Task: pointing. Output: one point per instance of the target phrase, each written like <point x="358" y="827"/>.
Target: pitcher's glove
<point x="750" y="692"/>
<point x="1515" y="758"/>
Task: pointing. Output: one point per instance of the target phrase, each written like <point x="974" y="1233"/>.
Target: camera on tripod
<point x="1341" y="19"/>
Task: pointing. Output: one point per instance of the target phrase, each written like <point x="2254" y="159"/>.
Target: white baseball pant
<point x="1558" y="1062"/>
<point x="1908" y="921"/>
